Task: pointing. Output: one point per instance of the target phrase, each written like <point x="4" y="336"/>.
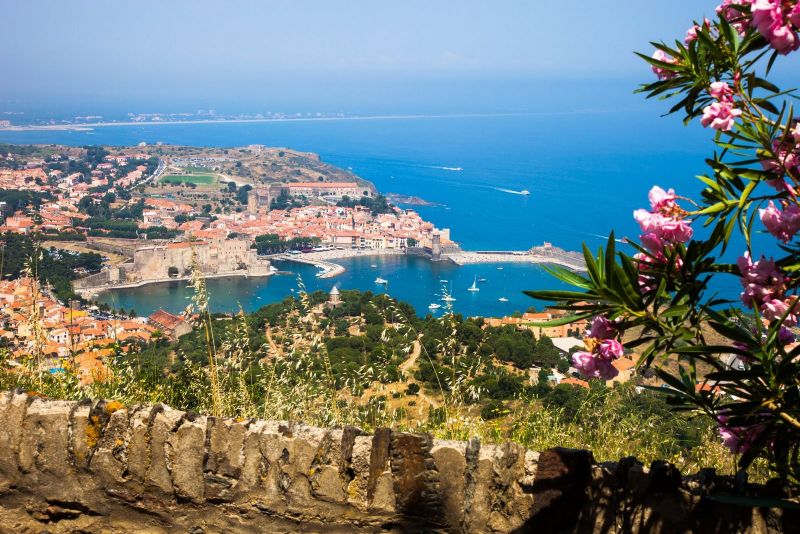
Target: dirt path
<point x="272" y="344"/>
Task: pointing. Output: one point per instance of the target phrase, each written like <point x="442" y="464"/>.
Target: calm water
<point x="586" y="173"/>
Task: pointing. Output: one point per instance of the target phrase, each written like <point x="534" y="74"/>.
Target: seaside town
<point x="125" y="204"/>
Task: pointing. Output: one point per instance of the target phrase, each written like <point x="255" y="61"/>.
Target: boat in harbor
<point x="499" y="268"/>
<point x="474" y="287"/>
<point x="503" y="299"/>
<point x="443" y="281"/>
<point x="381" y="281"/>
<point x="449" y="298"/>
<point x="482" y="280"/>
<point x="434" y="306"/>
<point x="374" y="266"/>
<point x="524" y="192"/>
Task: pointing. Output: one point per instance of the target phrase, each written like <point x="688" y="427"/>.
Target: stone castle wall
<point x="102" y="467"/>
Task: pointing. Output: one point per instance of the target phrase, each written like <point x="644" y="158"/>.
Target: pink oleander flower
<point x="737" y="439"/>
<point x="736" y="17"/>
<point x="762" y="281"/>
<point x="591" y="367"/>
<point x="775" y="309"/>
<point x="661" y="200"/>
<point x="796" y="131"/>
<point x="785" y="336"/>
<point x="610" y="349"/>
<point x="601" y="328"/>
<point x="691" y="33"/>
<point x="720" y="116"/>
<point x="794" y="16"/>
<point x="661" y="72"/>
<point x="782" y="224"/>
<point x="774" y="22"/>
<point x="721" y="91"/>
<point x="669" y="229"/>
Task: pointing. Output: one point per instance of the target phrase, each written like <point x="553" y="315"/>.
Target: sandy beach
<point x="325" y="259"/>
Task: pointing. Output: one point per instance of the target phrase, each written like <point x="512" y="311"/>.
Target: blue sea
<point x="586" y="171"/>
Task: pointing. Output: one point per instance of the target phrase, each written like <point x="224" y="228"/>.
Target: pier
<point x="545" y="255"/>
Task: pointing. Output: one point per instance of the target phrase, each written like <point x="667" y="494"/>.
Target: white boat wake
<point x="524" y="192"/>
<point x="454" y="169"/>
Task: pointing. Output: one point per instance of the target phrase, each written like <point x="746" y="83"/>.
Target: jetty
<point x="546" y="254"/>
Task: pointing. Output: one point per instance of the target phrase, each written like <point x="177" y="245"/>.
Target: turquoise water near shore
<point x="413" y="279"/>
<point x="586" y="172"/>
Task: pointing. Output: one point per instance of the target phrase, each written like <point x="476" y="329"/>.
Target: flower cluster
<point x="603" y="350"/>
<point x="786" y="151"/>
<point x="765" y="287"/>
<point x="778" y="21"/>
<point x="664" y="73"/>
<point x="720" y="115"/>
<point x="737" y="439"/>
<point x="664" y="226"/>
<point x="734" y="12"/>
<point x="782" y="224"/>
<point x="691" y="33"/>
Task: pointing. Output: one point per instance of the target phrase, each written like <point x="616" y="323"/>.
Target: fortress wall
<point x="100" y="466"/>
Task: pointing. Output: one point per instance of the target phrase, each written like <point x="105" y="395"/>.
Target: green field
<point x="199" y="179"/>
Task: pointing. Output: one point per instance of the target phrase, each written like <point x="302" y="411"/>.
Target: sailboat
<point x="474" y="288"/>
<point x="448" y="295"/>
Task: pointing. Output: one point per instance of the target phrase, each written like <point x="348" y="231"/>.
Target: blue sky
<point x="325" y="54"/>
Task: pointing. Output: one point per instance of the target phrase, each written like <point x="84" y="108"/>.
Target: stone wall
<point x="103" y="467"/>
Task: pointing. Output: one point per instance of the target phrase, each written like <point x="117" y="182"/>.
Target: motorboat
<point x="524" y="192"/>
<point x="381" y="281"/>
<point x="449" y="298"/>
<point x="503" y="299"/>
<point x="482" y="280"/>
<point x="434" y="306"/>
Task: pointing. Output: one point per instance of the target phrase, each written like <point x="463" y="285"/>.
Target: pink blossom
<point x="721" y="91"/>
<point x="720" y="116"/>
<point x="737" y="439"/>
<point x="652" y="242"/>
<point x="736" y="17"/>
<point x="775" y="25"/>
<point x="601" y="328"/>
<point x="610" y="349"/>
<point x="670" y="229"/>
<point x="762" y="281"/>
<point x="782" y="224"/>
<point x="794" y="16"/>
<point x="785" y="336"/>
<point x="796" y="131"/>
<point x="775" y="309"/>
<point x="591" y="367"/>
<point x="691" y="33"/>
<point x="660" y="199"/>
<point x="662" y="72"/>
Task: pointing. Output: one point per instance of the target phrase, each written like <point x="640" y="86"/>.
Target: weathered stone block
<point x="451" y="465"/>
<point x="12" y="412"/>
<point x="45" y="437"/>
<point x="185" y="453"/>
<point x="163" y="423"/>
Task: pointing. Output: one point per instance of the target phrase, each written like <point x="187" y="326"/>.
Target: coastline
<point x="331" y="269"/>
<point x="142" y="283"/>
<point x="90" y="125"/>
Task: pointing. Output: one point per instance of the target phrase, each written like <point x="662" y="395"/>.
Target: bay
<point x="586" y="171"/>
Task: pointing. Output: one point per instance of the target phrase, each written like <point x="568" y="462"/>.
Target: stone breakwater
<point x="101" y="467"/>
